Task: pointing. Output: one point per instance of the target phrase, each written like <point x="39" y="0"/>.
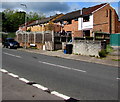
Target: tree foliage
<point x="31" y="16"/>
<point x="12" y="19"/>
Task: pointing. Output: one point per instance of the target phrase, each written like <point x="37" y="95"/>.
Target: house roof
<point x="45" y="20"/>
<point x="69" y="16"/>
<point x="28" y="23"/>
<point x="87" y="11"/>
<point x="78" y="13"/>
<point x="33" y="23"/>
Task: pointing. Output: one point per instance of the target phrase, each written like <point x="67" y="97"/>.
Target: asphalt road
<point x="77" y="79"/>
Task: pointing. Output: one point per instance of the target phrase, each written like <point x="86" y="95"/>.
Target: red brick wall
<point x="78" y="34"/>
<point x="74" y="28"/>
<point x="118" y="27"/>
<point x="71" y="27"/>
<point x="102" y="20"/>
<point x="57" y="28"/>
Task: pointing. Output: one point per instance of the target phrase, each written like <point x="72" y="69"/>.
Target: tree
<point x="12" y="19"/>
<point x="31" y="16"/>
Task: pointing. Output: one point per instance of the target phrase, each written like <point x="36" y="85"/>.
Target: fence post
<point x="22" y="37"/>
<point x="34" y="38"/>
<point x="52" y="36"/>
<point x="53" y="41"/>
<point x="43" y="34"/>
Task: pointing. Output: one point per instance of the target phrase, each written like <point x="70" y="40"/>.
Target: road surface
<point x="77" y="79"/>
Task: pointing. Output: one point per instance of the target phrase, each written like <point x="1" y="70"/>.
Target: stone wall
<point x="89" y="48"/>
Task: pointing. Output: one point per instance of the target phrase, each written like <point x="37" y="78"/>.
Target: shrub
<point x="102" y="53"/>
<point x="33" y="47"/>
<point x="109" y="49"/>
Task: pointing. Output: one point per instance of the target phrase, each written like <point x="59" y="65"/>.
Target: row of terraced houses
<point x="98" y="21"/>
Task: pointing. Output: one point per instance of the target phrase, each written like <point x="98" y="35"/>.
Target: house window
<point x="86" y="33"/>
<point x="76" y="19"/>
<point x="106" y="13"/>
<point x="69" y="21"/>
<point x="86" y="18"/>
<point x="69" y="33"/>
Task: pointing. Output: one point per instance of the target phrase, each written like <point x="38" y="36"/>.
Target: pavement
<point x="14" y="89"/>
<point x="59" y="53"/>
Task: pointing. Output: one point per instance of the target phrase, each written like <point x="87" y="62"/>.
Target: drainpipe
<point x="81" y="23"/>
<point x="72" y="35"/>
<point x="93" y="36"/>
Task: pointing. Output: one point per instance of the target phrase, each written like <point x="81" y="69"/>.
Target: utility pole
<point x="25" y="24"/>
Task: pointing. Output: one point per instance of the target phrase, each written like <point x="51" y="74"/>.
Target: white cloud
<point x="38" y="6"/>
<point x="48" y="8"/>
<point x="52" y="13"/>
<point x="74" y="6"/>
<point x="60" y="1"/>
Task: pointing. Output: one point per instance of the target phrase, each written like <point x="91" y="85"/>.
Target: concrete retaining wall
<point x="50" y="46"/>
<point x="87" y="48"/>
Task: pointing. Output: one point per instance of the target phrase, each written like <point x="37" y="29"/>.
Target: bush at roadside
<point x="103" y="53"/>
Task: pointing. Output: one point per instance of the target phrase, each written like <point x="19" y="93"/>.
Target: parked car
<point x="10" y="43"/>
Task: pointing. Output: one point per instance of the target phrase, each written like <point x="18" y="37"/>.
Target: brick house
<point x="42" y="25"/>
<point x="45" y="24"/>
<point x="23" y="26"/>
<point x="69" y="21"/>
<point x="88" y="22"/>
<point x="38" y="31"/>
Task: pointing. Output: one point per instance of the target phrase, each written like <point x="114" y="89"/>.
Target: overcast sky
<point x="50" y="8"/>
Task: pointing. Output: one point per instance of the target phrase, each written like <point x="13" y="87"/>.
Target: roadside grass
<point x="109" y="49"/>
<point x="115" y="59"/>
<point x="33" y="47"/>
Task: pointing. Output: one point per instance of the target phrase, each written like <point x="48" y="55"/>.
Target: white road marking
<point x="40" y="87"/>
<point x="60" y="95"/>
<point x="118" y="78"/>
<point x="18" y="56"/>
<point x="12" y="55"/>
<point x="13" y="75"/>
<point x="3" y="70"/>
<point x="62" y="66"/>
<point x="24" y="80"/>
